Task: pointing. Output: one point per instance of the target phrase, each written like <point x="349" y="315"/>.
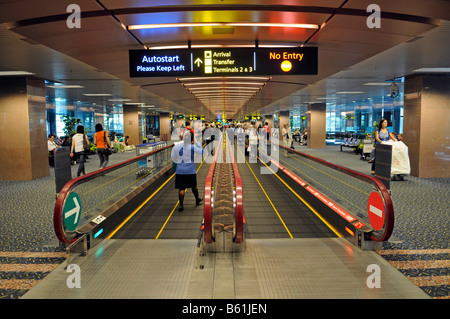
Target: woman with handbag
<point x="80" y="144"/>
<point x="101" y="140"/>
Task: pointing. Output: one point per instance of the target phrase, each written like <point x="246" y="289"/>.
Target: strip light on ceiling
<point x="204" y="46"/>
<point x="69" y="86"/>
<point x="222" y="24"/>
<point x="15" y="73"/>
<point x="432" y="70"/>
<point x="225" y="78"/>
<point x="229" y="88"/>
<point x="225" y="83"/>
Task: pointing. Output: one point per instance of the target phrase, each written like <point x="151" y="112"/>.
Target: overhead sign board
<point x="224" y="62"/>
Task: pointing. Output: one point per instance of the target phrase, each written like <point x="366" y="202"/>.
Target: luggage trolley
<point x="400" y="165"/>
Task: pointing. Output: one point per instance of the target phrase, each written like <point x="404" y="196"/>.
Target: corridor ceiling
<point x="35" y="37"/>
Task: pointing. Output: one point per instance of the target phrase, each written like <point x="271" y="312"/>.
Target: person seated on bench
<point x="52" y="146"/>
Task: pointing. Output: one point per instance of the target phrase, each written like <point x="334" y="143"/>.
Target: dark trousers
<point x="81" y="158"/>
<point x="103" y="157"/>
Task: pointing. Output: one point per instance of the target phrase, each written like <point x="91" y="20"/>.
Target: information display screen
<point x="224" y="62"/>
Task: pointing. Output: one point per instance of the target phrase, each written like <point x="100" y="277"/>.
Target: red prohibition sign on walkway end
<point x="375" y="209"/>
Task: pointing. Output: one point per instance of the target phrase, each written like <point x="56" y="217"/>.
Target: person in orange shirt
<point x="101" y="140"/>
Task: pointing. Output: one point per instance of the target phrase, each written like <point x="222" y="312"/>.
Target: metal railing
<point x="103" y="189"/>
<point x="344" y="189"/>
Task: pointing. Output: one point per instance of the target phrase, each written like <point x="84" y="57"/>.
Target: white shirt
<point x="253" y="137"/>
<point x="78" y="141"/>
<point x="51" y="145"/>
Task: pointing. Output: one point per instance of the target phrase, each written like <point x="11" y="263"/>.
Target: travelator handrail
<point x="379" y="186"/>
<point x="66" y="190"/>
<point x="239" y="196"/>
<point x="207" y="197"/>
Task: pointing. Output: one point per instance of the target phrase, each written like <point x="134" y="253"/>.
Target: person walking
<point x="253" y="144"/>
<point x="77" y="149"/>
<point x="101" y="140"/>
<point x="287" y="138"/>
<point x="186" y="172"/>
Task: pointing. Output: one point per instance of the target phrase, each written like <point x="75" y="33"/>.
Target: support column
<point x="268" y="119"/>
<point x="284" y="119"/>
<point x="132" y="124"/>
<point x="316" y="115"/>
<point x="426" y="124"/>
<point x="23" y="132"/>
<point x="164" y="127"/>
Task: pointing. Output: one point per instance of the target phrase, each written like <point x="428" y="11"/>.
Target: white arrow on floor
<point x="75" y="210"/>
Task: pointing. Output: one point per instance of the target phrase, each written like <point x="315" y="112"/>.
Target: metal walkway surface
<point x="271" y="210"/>
<point x="159" y="217"/>
<point x="300" y="268"/>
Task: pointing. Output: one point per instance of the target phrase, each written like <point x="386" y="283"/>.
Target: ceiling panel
<point x="16" y="10"/>
<point x="98" y="52"/>
<point x="431" y="8"/>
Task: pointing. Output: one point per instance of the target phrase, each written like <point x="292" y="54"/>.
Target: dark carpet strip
<point x="21" y="271"/>
<point x="428" y="270"/>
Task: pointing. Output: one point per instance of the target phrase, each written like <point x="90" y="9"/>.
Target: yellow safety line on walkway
<point x="140" y="206"/>
<point x="168" y="218"/>
<point x="273" y="206"/>
<point x="304" y="202"/>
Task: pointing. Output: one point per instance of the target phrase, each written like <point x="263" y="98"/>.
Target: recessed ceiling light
<point x="381" y="83"/>
<point x="349" y="92"/>
<point x="119" y="100"/>
<point x="97" y="94"/>
<point x="65" y="86"/>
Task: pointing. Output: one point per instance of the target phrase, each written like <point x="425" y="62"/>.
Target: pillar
<point x="268" y="119"/>
<point x="23" y="131"/>
<point x="316" y="116"/>
<point x="132" y="124"/>
<point x="426" y="124"/>
<point x="164" y="126"/>
<point x="284" y="119"/>
<point x="181" y="122"/>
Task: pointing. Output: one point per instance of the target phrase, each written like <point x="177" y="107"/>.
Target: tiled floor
<point x="276" y="268"/>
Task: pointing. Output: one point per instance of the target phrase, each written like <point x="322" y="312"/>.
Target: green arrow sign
<point x="72" y="211"/>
